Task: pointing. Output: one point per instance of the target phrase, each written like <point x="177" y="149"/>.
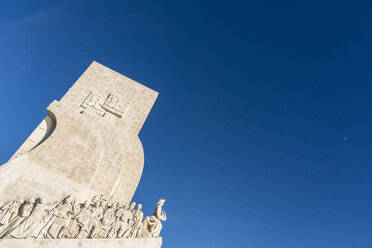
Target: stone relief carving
<point x="114" y="105"/>
<point x="151" y="226"/>
<point x="98" y="105"/>
<point x="67" y="219"/>
<point x="94" y="102"/>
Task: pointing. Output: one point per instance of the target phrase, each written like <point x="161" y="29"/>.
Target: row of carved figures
<point x="69" y="220"/>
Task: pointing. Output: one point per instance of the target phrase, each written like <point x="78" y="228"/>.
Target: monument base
<point x="82" y="243"/>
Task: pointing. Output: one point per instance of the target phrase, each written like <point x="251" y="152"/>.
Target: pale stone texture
<point x="97" y="218"/>
<point x="81" y="243"/>
<point x="87" y="145"/>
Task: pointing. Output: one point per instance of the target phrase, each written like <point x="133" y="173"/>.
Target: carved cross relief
<point x="100" y="105"/>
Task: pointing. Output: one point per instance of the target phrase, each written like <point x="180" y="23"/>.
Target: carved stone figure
<point x="131" y="207"/>
<point x="61" y="216"/>
<point x="126" y="222"/>
<point x="85" y="221"/>
<point x="97" y="208"/>
<point x="152" y="225"/>
<point x="18" y="226"/>
<point x="66" y="219"/>
<point x="7" y="213"/>
<point x="107" y="221"/>
<point x="38" y="219"/>
<point x="137" y="219"/>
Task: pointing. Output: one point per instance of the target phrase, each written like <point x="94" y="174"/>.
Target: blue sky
<point x="262" y="133"/>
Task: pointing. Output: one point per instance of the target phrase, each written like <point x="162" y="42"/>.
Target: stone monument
<point x="71" y="183"/>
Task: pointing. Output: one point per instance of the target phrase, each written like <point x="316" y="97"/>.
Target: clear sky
<point x="262" y="133"/>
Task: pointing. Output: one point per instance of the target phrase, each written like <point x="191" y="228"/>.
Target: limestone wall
<point x="87" y="145"/>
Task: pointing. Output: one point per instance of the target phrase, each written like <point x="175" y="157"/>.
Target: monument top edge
<point x="109" y="94"/>
<point x="103" y="67"/>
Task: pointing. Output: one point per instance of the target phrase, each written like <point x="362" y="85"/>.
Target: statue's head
<point x="119" y="205"/>
<point x="25" y="209"/>
<point x="139" y="206"/>
<point x="118" y="214"/>
<point x="67" y="200"/>
<point x="96" y="201"/>
<point x="132" y="206"/>
<point x="14" y="206"/>
<point x="83" y="205"/>
<point x="160" y="202"/>
<point x="103" y="200"/>
<point x="122" y="217"/>
<point x="37" y="201"/>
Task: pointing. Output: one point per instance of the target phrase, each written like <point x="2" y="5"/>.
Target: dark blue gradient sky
<point x="262" y="133"/>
